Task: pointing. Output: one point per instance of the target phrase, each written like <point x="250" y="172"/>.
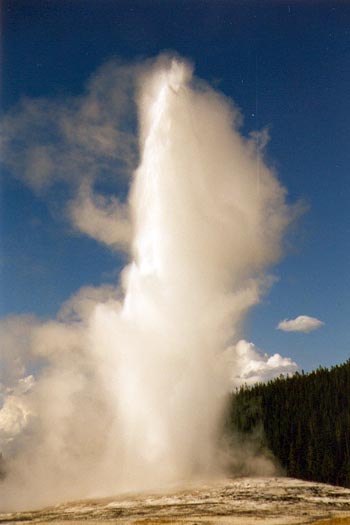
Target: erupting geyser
<point x="203" y="232"/>
<point x="134" y="395"/>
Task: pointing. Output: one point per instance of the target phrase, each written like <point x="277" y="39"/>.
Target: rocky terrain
<point x="242" y="501"/>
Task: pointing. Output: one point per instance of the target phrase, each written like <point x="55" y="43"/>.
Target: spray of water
<point x="132" y="394"/>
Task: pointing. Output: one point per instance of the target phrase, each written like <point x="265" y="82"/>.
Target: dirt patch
<point x="343" y="520"/>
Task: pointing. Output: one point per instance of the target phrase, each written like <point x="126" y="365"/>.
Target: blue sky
<point x="285" y="64"/>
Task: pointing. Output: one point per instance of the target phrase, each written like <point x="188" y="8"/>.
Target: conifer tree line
<point x="305" y="420"/>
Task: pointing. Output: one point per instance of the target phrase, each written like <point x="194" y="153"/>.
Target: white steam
<point x="75" y="143"/>
<point x="130" y="383"/>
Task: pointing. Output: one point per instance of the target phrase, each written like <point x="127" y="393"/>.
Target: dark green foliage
<point x="306" y="422"/>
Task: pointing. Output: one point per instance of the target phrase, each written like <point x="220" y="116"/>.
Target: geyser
<point x="131" y="393"/>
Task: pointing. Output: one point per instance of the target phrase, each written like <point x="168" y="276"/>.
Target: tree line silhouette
<point x="305" y="420"/>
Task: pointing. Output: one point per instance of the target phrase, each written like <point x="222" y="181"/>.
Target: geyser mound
<point x="131" y="394"/>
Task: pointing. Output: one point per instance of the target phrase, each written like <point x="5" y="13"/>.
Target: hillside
<point x="304" y="420"/>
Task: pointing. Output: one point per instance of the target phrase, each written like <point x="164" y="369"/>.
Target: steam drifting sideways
<point x="129" y="384"/>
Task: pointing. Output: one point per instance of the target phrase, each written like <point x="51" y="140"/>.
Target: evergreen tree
<point x="305" y="420"/>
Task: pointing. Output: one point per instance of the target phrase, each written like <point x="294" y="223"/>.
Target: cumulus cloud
<point x="15" y="416"/>
<point x="251" y="365"/>
<point x="302" y="323"/>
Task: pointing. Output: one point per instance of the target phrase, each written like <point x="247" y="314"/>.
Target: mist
<point x="126" y="389"/>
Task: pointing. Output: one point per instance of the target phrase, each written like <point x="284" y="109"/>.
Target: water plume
<point x="131" y="390"/>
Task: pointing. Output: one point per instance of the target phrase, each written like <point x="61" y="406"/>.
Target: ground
<point x="242" y="501"/>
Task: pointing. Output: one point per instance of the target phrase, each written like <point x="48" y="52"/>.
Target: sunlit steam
<point x="131" y="395"/>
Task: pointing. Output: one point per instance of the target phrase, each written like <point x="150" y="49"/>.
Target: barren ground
<point x="243" y="501"/>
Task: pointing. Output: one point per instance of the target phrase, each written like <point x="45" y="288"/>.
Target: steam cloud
<point x="128" y="384"/>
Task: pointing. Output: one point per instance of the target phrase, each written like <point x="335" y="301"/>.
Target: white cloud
<point x="15" y="415"/>
<point x="251" y="365"/>
<point x="302" y="323"/>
